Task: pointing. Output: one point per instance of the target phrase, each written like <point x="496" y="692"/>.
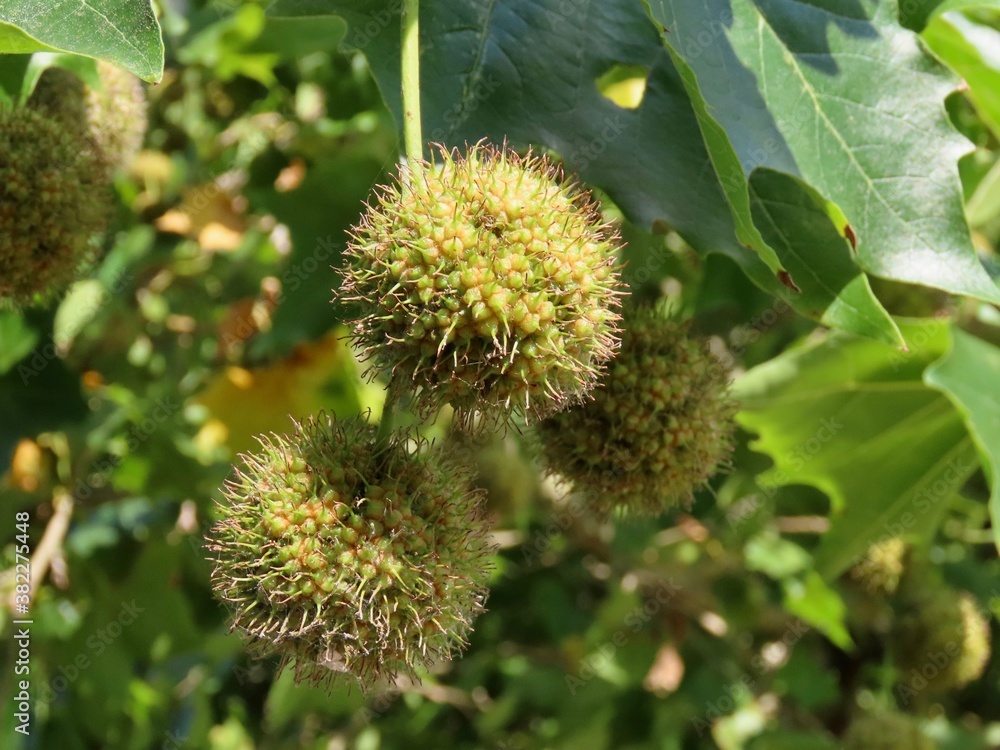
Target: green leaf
<point x="527" y="72"/>
<point x="854" y="418"/>
<point x="841" y="96"/>
<point x="287" y="702"/>
<point x="123" y="32"/>
<point x="969" y="375"/>
<point x="949" y="5"/>
<point x="339" y="184"/>
<point x="17" y="339"/>
<point x="13" y="41"/>
<point x="12" y="72"/>
<point x="775" y="557"/>
<point x="813" y="601"/>
<point x="973" y="51"/>
<point x="984" y="204"/>
<point x="914" y="14"/>
<point x="793" y="220"/>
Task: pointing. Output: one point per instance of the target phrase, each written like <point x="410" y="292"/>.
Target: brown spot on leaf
<point x="851" y="237"/>
<point x="786" y="278"/>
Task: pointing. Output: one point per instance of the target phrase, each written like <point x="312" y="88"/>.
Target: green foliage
<point x="781" y="173"/>
<point x="479" y="93"/>
<point x="123" y="32"/>
<point x="965" y="375"/>
<point x="837" y="412"/>
<point x="817" y="85"/>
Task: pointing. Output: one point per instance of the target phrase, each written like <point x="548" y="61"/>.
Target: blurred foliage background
<point x="731" y="624"/>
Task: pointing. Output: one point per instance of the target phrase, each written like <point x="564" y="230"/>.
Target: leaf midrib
<point x="792" y="62"/>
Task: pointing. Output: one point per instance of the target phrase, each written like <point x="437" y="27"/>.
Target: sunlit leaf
<point x="123" y="32"/>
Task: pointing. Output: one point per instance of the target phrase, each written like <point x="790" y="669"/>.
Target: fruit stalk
<point x="413" y="139"/>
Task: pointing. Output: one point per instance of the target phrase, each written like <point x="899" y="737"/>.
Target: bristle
<point x="657" y="429"/>
<point x="327" y="544"/>
<point x="51" y="194"/>
<point x="448" y="293"/>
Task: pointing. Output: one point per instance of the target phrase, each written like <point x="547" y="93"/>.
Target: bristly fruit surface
<point x="51" y="206"/>
<point x="486" y="282"/>
<point x="886" y="730"/>
<point x="880" y="570"/>
<point x="943" y="628"/>
<point x="657" y="429"/>
<point x="341" y="555"/>
<point x="112" y="118"/>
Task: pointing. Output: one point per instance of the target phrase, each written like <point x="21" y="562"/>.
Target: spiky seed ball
<point x="486" y="282"/>
<point x="112" y="117"/>
<point x="50" y="206"/>
<point x="343" y="556"/>
<point x="886" y="730"/>
<point x="658" y="428"/>
<point x="942" y="641"/>
<point x="880" y="570"/>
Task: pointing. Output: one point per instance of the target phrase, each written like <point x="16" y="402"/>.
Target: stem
<point x="413" y="144"/>
<point x="413" y="139"/>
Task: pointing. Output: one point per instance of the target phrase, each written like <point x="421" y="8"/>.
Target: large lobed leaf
<point x="855" y="419"/>
<point x="837" y="93"/>
<point x="525" y="70"/>
<point x="123" y="32"/>
<point x="969" y="374"/>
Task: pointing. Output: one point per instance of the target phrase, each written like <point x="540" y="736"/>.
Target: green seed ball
<point x="882" y="567"/>
<point x="886" y="731"/>
<point x="111" y="117"/>
<point x="657" y="429"/>
<point x="348" y="593"/>
<point x="485" y="282"/>
<point x="52" y="203"/>
<point x="942" y="640"/>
